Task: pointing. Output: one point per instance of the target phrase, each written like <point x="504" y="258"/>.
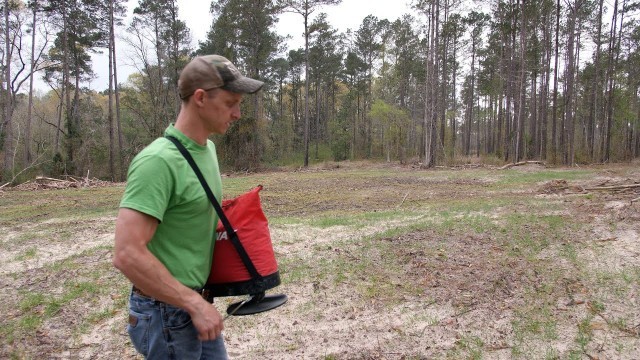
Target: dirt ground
<point x="378" y="262"/>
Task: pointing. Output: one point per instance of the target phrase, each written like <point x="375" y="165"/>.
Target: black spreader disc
<point x="257" y="304"/>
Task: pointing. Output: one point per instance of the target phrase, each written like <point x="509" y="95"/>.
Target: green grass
<point x="530" y="326"/>
<point x="24" y="207"/>
<point x="326" y="222"/>
<point x="27" y="254"/>
<point x="32" y="300"/>
<point x="520" y="178"/>
<point x="23" y="238"/>
<point x="66" y="283"/>
<point x="470" y="347"/>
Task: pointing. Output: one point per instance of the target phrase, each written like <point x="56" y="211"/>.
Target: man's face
<point x="221" y="108"/>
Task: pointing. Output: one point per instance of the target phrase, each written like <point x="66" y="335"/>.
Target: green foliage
<point x="242" y="145"/>
<point x="348" y="73"/>
<point x="340" y="140"/>
<point x="395" y="123"/>
<point x="243" y="32"/>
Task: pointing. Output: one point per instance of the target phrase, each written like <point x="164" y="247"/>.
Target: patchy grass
<point x="379" y="262"/>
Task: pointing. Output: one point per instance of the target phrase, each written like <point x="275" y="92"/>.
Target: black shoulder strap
<point x="233" y="236"/>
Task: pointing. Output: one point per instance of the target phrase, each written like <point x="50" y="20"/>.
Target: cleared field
<point x="379" y="262"/>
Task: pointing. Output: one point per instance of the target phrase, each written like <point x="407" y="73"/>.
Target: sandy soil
<point x="428" y="293"/>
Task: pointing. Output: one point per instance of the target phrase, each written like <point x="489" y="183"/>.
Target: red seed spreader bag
<point x="249" y="222"/>
<point x="243" y="259"/>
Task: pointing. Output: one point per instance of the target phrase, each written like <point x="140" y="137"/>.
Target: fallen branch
<point x="498" y="347"/>
<point x="43" y="182"/>
<point x="607" y="239"/>
<point x="469" y="309"/>
<point x="624" y="329"/>
<point x="46" y="179"/>
<point x="634" y="200"/>
<point x="589" y="356"/>
<point x="403" y="199"/>
<point x="508" y="166"/>
<point x="616" y="187"/>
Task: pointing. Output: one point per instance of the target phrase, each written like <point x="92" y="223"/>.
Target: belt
<point x="205" y="293"/>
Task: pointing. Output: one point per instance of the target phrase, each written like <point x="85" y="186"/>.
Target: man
<point x="165" y="230"/>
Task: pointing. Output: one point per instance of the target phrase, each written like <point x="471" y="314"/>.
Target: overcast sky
<point x="348" y="15"/>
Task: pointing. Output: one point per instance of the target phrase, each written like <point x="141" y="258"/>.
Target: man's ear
<point x="198" y="97"/>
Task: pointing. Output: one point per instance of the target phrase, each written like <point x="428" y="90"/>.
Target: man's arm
<point x="134" y="230"/>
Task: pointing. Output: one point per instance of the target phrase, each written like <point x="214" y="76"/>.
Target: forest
<point x="501" y="81"/>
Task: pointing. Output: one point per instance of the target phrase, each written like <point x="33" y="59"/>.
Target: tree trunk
<point x="606" y="148"/>
<point x="430" y="114"/>
<point x="470" y="99"/>
<point x="554" y="115"/>
<point x="454" y="103"/>
<point x="521" y="87"/>
<point x="122" y="173"/>
<point x="532" y="146"/>
<point x="27" y="130"/>
<point x="570" y="81"/>
<point x="8" y="105"/>
<point x="306" y="90"/>
<point x="544" y="101"/>
<point x="110" y="109"/>
<point x="593" y="103"/>
<point x="65" y="79"/>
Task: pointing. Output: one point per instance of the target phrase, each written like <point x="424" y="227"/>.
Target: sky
<point x="348" y="15"/>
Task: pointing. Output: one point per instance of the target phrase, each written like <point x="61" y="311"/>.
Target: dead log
<point x="508" y="166"/>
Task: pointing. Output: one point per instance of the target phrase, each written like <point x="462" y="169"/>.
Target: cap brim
<point x="243" y="85"/>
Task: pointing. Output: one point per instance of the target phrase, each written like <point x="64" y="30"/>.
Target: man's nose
<point x="235" y="114"/>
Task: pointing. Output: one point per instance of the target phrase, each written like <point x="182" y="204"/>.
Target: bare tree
<point x="36" y="62"/>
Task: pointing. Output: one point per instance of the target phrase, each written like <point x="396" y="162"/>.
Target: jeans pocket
<point x="176" y="318"/>
<point x="138" y="329"/>
<point x="181" y="334"/>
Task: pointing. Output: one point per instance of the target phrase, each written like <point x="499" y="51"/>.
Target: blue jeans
<point x="162" y="331"/>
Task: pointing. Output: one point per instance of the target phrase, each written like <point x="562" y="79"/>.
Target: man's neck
<point x="191" y="128"/>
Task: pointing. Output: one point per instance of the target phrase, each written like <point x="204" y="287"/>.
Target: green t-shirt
<point x="160" y="183"/>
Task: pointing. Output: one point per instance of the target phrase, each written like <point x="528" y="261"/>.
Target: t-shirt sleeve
<point x="149" y="186"/>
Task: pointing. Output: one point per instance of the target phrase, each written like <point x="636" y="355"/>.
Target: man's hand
<point x="206" y="319"/>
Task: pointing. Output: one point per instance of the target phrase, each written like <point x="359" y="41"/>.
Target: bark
<point x="27" y="131"/>
<point x="306" y="88"/>
<point x="593" y="108"/>
<point x="66" y="76"/>
<point x="117" y="98"/>
<point x="110" y="102"/>
<point x="606" y="139"/>
<point x="554" y="115"/>
<point x="8" y="105"/>
<point x="544" y="101"/>
<point x="570" y="82"/>
<point x="521" y="87"/>
<point x="430" y="114"/>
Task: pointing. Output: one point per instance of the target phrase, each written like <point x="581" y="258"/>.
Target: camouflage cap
<point x="214" y="71"/>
